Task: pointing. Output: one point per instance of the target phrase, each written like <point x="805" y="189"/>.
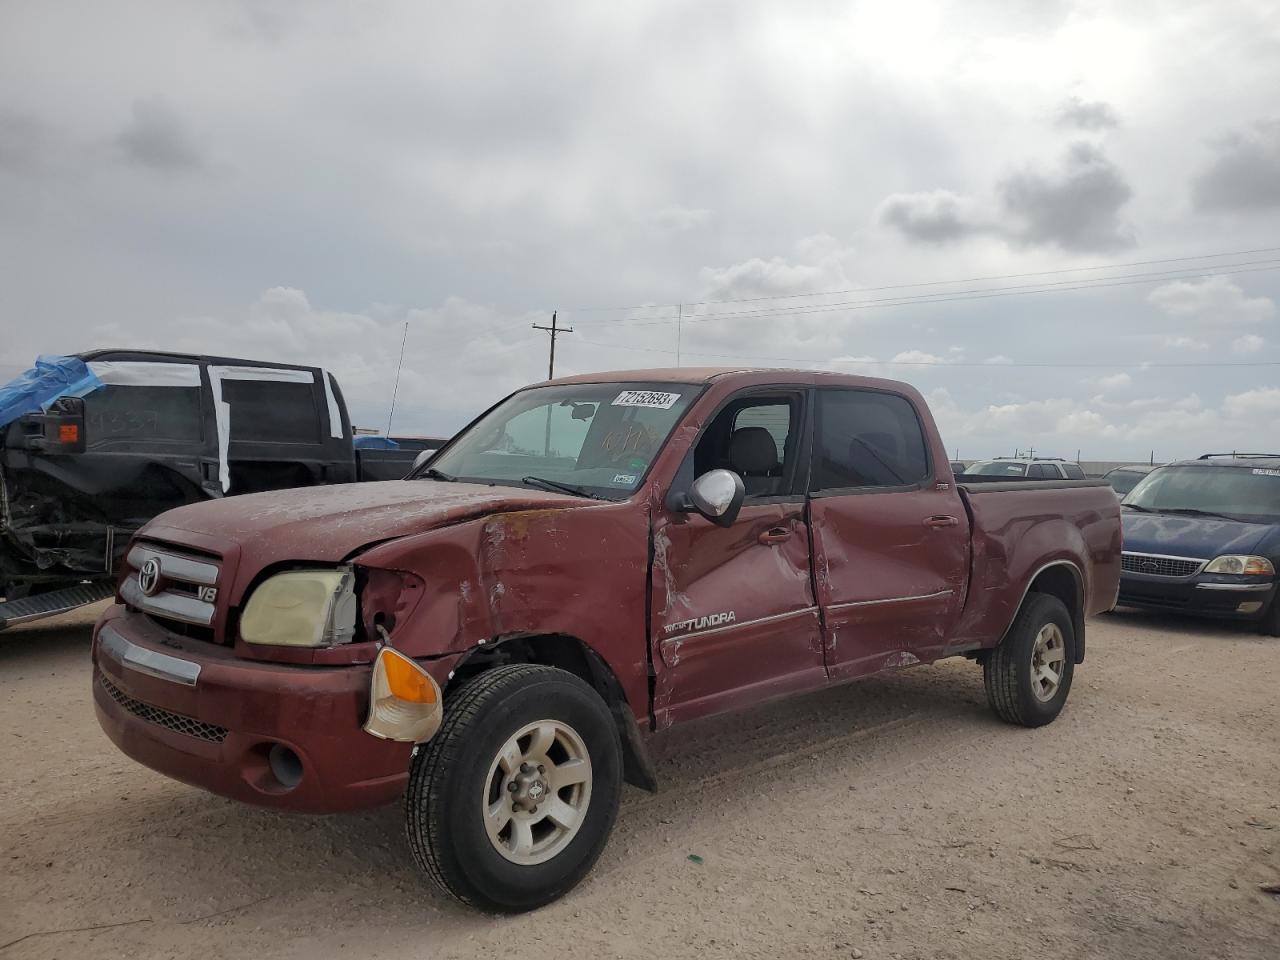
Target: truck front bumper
<point x="275" y="735"/>
<point x="1206" y="595"/>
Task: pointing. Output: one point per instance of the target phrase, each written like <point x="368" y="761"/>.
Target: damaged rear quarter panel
<point x="578" y="571"/>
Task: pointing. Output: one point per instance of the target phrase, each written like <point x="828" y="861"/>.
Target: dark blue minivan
<point x="1203" y="537"/>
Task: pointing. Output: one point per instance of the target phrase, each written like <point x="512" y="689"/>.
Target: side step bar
<point x="27" y="609"/>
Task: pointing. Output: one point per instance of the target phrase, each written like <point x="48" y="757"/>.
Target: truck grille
<point x="1156" y="565"/>
<point x="189" y="726"/>
<point x="177" y="589"/>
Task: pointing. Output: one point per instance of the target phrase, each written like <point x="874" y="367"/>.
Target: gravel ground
<point x="891" y="818"/>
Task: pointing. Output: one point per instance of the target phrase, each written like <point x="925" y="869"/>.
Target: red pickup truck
<point x="593" y="559"/>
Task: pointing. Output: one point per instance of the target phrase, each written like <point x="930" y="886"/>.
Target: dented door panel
<point x="891" y="586"/>
<point x="734" y="617"/>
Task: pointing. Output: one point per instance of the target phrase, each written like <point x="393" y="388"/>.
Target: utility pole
<point x="554" y="331"/>
<point x="679" y="330"/>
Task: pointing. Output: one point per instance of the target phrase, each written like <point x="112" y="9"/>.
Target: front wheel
<point x="1269" y="625"/>
<point x="512" y="801"/>
<point x="1028" y="676"/>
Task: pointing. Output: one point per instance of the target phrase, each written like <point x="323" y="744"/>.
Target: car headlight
<point x="1241" y="566"/>
<point x="302" y="608"/>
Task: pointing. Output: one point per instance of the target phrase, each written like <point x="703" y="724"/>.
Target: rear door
<point x="890" y="540"/>
<point x="734" y="615"/>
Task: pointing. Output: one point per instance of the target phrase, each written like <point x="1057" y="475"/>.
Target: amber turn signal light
<point x="404" y="700"/>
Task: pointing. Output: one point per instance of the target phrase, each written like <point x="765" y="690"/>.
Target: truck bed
<point x="1022" y="528"/>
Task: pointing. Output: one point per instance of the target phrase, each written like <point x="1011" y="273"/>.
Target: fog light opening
<point x="286" y="765"/>
<point x="1249" y="606"/>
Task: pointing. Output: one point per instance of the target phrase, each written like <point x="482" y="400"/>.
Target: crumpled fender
<point x="580" y="571"/>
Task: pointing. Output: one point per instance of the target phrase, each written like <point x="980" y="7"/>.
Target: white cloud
<point x="1212" y="301"/>
<point x="1115" y="381"/>
<point x="998" y="358"/>
<point x="1249" y="343"/>
<point x="919" y="357"/>
<point x="1183" y="342"/>
<point x="445" y="379"/>
<point x="1261" y="402"/>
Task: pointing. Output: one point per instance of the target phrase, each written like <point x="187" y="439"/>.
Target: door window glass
<point x="753" y="437"/>
<point x="272" y="411"/>
<point x="1042" y="471"/>
<point x="867" y="439"/>
<point x="1073" y="471"/>
<point x="126" y="412"/>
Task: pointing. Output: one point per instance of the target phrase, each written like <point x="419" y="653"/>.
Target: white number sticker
<point x="1267" y="473"/>
<point x="646" y="398"/>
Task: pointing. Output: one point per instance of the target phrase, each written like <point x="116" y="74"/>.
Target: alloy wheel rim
<point x="1048" y="662"/>
<point x="537" y="792"/>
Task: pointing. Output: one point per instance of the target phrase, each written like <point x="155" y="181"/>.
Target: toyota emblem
<point x="149" y="577"/>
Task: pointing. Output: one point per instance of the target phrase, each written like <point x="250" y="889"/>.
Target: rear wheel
<point x="1028" y="676"/>
<point x="512" y="801"/>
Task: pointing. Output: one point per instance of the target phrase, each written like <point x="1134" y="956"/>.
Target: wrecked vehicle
<point x="592" y="560"/>
<point x="92" y="446"/>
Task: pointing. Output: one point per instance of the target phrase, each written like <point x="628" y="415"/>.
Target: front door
<point x="734" y="615"/>
<point x="891" y="545"/>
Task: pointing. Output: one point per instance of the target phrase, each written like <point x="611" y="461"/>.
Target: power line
<point x="959" y="295"/>
<point x="933" y="283"/>
<point x="942" y="363"/>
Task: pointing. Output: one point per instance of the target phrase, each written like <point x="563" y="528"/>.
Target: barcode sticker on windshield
<point x="646" y="398"/>
<point x="1266" y="473"/>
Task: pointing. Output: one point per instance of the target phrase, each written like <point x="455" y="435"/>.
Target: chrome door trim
<point x="711" y="631"/>
<point x="872" y="603"/>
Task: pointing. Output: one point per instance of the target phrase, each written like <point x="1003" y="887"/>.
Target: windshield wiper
<point x="1133" y="506"/>
<point x="431" y="473"/>
<point x="559" y="487"/>
<point x="1193" y="512"/>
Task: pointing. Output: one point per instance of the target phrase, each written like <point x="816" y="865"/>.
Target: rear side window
<point x="867" y="439"/>
<point x="1043" y="471"/>
<point x="272" y="411"/>
<point x="125" y="412"/>
<point x="1073" y="471"/>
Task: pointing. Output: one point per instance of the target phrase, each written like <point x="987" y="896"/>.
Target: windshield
<point x="597" y="437"/>
<point x="1122" y="481"/>
<point x="1242" y="493"/>
<point x="998" y="468"/>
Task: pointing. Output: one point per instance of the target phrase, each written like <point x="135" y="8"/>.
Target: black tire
<point x="1007" y="671"/>
<point x="449" y="776"/>
<point x="1269" y="625"/>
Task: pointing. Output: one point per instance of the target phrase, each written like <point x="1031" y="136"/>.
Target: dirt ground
<point x="890" y="818"/>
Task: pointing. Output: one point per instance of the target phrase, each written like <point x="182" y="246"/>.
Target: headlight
<point x="302" y="608"/>
<point x="1241" y="566"/>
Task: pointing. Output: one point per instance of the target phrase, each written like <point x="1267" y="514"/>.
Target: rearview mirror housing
<point x="717" y="495"/>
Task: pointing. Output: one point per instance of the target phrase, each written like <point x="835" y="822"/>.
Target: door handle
<point x="942" y="521"/>
<point x="774" y="535"/>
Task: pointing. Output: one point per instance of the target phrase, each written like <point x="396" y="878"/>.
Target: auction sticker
<point x="646" y="398"/>
<point x="1266" y="473"/>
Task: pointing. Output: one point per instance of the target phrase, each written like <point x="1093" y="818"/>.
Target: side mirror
<point x="717" y="495"/>
<point x="420" y="459"/>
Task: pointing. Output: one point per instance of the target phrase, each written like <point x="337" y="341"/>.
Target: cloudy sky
<point x="1059" y="220"/>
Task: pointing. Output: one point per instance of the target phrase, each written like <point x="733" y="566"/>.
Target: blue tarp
<point x="52" y="377"/>
<point x="363" y="442"/>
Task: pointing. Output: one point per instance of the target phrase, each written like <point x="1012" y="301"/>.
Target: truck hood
<point x="329" y="524"/>
<point x="1179" y="536"/>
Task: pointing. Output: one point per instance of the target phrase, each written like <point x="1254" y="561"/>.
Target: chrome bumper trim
<point x="147" y="661"/>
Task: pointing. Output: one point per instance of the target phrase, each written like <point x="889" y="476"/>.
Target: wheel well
<point x="1063" y="581"/>
<point x="573" y="656"/>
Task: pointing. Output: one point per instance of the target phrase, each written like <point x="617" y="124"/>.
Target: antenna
<point x="396" y="389"/>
